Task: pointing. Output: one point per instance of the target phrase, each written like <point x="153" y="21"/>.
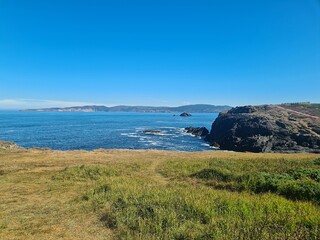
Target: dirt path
<point x="155" y="174"/>
<point x="300" y="113"/>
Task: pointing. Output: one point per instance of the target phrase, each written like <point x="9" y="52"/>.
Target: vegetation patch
<point x="85" y="172"/>
<point x="305" y="173"/>
<point x="217" y="174"/>
<point x="316" y="161"/>
<point x="296" y="184"/>
<point x="285" y="185"/>
<point x="198" y="212"/>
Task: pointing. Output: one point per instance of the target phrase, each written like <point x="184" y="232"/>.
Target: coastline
<point x="216" y="152"/>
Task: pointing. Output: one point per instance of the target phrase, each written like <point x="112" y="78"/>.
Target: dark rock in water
<point x="185" y="114"/>
<point x="9" y="146"/>
<point x="150" y="131"/>
<point x="267" y="128"/>
<point x="198" y="132"/>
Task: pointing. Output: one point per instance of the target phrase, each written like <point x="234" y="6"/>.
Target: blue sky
<point x="62" y="53"/>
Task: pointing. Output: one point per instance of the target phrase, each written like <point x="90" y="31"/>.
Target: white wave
<point x="217" y="148"/>
<point x="153" y="143"/>
<point x="186" y="134"/>
<point x="10" y="131"/>
<point x="163" y="134"/>
<point x="131" y="135"/>
<point x="138" y="129"/>
<point x="205" y="144"/>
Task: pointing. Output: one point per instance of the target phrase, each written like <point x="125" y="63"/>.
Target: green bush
<point x="303" y="173"/>
<point x="294" y="186"/>
<point x="266" y="182"/>
<point x="316" y="161"/>
<point x="304" y="190"/>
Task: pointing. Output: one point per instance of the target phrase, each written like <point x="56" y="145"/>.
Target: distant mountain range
<point x="196" y="108"/>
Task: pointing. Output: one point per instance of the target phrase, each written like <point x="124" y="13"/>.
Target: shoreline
<point x="14" y="148"/>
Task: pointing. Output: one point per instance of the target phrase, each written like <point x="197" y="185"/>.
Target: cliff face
<point x="268" y="128"/>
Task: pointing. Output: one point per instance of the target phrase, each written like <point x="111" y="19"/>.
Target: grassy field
<point x="122" y="194"/>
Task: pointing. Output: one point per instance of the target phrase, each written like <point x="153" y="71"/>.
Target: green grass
<point x="196" y="212"/>
<point x="85" y="173"/>
<point x="162" y="195"/>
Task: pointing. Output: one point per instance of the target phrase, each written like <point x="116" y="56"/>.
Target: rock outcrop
<point x="267" y="128"/>
<point x="150" y="131"/>
<point x="185" y="114"/>
<point x="9" y="146"/>
<point x="198" y="131"/>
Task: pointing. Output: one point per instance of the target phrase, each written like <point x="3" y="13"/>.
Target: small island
<point x="151" y="131"/>
<point x="185" y="114"/>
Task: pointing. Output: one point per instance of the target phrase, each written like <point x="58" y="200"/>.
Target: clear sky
<point x="61" y="53"/>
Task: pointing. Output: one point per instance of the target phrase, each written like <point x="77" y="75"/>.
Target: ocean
<point x="108" y="130"/>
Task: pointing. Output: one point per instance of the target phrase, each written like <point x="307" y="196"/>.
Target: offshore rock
<point x="151" y="131"/>
<point x="185" y="114"/>
<point x="198" y="131"/>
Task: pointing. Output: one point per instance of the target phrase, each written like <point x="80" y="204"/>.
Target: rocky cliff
<point x="267" y="128"/>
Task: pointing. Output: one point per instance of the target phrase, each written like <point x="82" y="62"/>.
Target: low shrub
<point x="289" y="186"/>
<point x="316" y="161"/>
<point x="303" y="173"/>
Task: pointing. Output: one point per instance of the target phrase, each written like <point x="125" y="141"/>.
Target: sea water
<point x="109" y="130"/>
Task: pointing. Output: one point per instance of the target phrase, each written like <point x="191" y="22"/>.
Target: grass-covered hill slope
<point x="158" y="195"/>
<point x="312" y="109"/>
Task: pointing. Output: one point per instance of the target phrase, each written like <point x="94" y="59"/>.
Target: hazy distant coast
<point x="196" y="108"/>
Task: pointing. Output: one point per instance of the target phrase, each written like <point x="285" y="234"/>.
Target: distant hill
<point x="196" y="108"/>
